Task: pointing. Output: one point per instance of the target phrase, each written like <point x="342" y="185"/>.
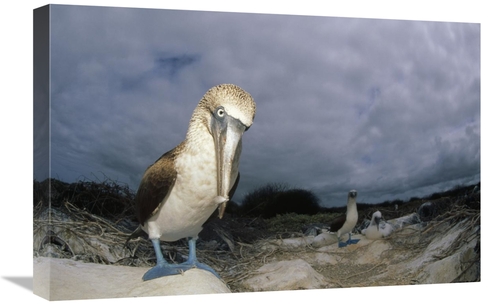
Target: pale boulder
<point x="65" y="279"/>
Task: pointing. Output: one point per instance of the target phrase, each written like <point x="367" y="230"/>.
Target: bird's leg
<point x="352" y="241"/>
<point x="160" y="260"/>
<point x="162" y="268"/>
<point x="193" y="261"/>
<point x="192" y="251"/>
<point x="341" y="244"/>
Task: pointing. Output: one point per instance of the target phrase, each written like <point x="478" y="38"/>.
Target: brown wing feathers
<point x="156" y="183"/>
<point x="337" y="223"/>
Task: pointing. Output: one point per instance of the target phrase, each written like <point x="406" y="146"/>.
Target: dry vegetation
<point x="96" y="214"/>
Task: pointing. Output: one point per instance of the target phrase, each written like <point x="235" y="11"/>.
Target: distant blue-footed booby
<point x="378" y="228"/>
<point x="180" y="191"/>
<point x="345" y="223"/>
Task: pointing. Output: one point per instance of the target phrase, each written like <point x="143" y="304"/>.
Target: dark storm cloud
<point x="388" y="107"/>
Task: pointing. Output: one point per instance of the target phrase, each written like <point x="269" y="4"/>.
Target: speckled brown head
<point x="235" y="101"/>
<point x="227" y="111"/>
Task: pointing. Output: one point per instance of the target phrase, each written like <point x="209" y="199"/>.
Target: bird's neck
<point x="351" y="206"/>
<point x="198" y="135"/>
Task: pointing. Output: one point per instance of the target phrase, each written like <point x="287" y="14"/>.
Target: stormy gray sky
<point x="388" y="107"/>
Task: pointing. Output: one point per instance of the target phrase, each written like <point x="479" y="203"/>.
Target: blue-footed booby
<point x="180" y="191"/>
<point x="378" y="228"/>
<point x="345" y="223"/>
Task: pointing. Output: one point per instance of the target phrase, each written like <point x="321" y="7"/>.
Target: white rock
<point x="325" y="259"/>
<point x="287" y="244"/>
<point x="324" y="239"/>
<point x="286" y="275"/>
<point x="403" y="221"/>
<point x="63" y="279"/>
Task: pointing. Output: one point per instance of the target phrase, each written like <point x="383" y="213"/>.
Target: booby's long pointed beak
<point x="227" y="132"/>
<point x="377" y="220"/>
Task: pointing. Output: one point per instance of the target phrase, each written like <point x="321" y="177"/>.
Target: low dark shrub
<point x="279" y="199"/>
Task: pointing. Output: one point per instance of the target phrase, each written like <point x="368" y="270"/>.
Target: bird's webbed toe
<point x="353" y="241"/>
<point x="207" y="268"/>
<point x="165" y="269"/>
<point x="342" y="244"/>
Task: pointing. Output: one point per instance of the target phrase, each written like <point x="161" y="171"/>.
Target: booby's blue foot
<point x="166" y="269"/>
<point x="163" y="268"/>
<point x="353" y="241"/>
<point x="348" y="242"/>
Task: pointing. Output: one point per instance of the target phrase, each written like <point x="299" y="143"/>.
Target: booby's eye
<point x="220" y="112"/>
